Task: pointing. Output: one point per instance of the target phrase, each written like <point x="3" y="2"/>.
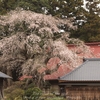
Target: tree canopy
<point x="39" y="34"/>
<point x="90" y="30"/>
<point x="59" y="8"/>
<point x="27" y="43"/>
<point x="87" y="19"/>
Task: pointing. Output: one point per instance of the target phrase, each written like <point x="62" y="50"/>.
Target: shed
<point x="2" y="77"/>
<point x="83" y="83"/>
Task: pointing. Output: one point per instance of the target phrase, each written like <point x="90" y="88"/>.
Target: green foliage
<point x="56" y="98"/>
<point x="65" y="7"/>
<point x="51" y="96"/>
<point x="33" y="5"/>
<point x="89" y="31"/>
<point x="44" y="6"/>
<point x="32" y="94"/>
<point x="58" y="8"/>
<point x="7" y="5"/>
<point x="15" y="94"/>
<point x="88" y="21"/>
<point x="30" y="85"/>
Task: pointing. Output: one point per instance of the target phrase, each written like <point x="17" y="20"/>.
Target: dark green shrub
<point x="32" y="94"/>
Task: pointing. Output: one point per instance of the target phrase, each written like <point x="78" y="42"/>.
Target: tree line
<point x="86" y="18"/>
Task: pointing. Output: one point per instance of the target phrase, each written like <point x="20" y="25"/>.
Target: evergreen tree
<point x="87" y="20"/>
<point x="33" y="5"/>
<point x="90" y="30"/>
<point x="67" y="9"/>
<point x="38" y="6"/>
<point x="7" y="5"/>
<point x="59" y="8"/>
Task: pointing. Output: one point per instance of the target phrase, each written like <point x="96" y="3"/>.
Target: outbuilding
<point x="2" y="77"/>
<point x="83" y="83"/>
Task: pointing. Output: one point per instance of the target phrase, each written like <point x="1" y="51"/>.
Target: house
<point x="83" y="83"/>
<point x="63" y="69"/>
<point x="2" y="77"/>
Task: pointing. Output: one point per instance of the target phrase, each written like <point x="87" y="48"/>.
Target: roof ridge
<point x="91" y="59"/>
<point x="75" y="69"/>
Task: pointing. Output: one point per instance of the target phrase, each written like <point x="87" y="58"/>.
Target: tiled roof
<point x="94" y="48"/>
<point x="88" y="71"/>
<point x="25" y="77"/>
<point x="62" y="70"/>
<point x="2" y="75"/>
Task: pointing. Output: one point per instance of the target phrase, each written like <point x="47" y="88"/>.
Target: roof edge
<point x="61" y="78"/>
<point x="91" y="59"/>
<point x="3" y="75"/>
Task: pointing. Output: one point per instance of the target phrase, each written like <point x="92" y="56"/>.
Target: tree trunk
<point x="1" y="89"/>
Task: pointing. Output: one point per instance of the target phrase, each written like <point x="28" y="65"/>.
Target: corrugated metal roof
<point x="2" y="75"/>
<point x="88" y="71"/>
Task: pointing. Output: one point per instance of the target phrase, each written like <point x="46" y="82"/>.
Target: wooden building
<point x="64" y="69"/>
<point x="2" y="77"/>
<point x="83" y="83"/>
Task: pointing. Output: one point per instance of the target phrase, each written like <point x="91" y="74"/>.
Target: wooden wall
<point x="83" y="93"/>
<point x="54" y="87"/>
